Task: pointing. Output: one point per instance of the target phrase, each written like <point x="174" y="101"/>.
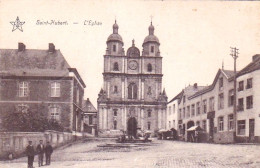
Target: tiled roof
<point x="32" y="62"/>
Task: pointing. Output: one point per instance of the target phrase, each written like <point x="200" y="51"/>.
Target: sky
<point x="195" y="36"/>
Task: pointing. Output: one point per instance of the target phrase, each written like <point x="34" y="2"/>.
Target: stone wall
<point x="14" y="143"/>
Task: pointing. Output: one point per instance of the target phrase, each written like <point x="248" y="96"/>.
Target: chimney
<point x="21" y="47"/>
<point x="51" y="48"/>
<point x="195" y="85"/>
<point x="255" y="57"/>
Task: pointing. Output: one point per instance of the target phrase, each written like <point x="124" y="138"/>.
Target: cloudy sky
<point x="195" y="37"/>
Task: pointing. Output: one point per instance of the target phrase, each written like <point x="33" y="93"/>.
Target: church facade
<point x="132" y="93"/>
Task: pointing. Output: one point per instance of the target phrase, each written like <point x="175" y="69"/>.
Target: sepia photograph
<point x="129" y="84"/>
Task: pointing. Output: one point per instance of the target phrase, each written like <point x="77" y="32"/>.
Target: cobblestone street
<point x="158" y="154"/>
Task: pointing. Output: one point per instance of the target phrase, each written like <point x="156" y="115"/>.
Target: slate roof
<point x="177" y="97"/>
<point x="88" y="106"/>
<point x="32" y="62"/>
<point x="227" y="73"/>
<point x="254" y="65"/>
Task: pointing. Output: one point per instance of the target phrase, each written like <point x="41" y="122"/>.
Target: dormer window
<point x="149" y="68"/>
<point x="115" y="68"/>
<point x="152" y="49"/>
<point x="114" y="48"/>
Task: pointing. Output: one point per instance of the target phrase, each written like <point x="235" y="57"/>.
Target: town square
<point x="158" y="154"/>
<point x="129" y="84"/>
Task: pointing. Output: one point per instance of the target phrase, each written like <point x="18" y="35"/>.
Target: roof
<point x="177" y="97"/>
<point x="133" y="51"/>
<point x="34" y="62"/>
<point x="115" y="37"/>
<point x="195" y="128"/>
<point x="227" y="73"/>
<point x="252" y="66"/>
<point x="151" y="38"/>
<point x="74" y="70"/>
<point x="31" y="62"/>
<point x="88" y="106"/>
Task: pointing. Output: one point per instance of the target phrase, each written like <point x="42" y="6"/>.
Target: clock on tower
<point x="132" y="95"/>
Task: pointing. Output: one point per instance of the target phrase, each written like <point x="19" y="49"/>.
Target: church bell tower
<point x="131" y="96"/>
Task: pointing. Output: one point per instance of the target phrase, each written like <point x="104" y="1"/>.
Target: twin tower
<point x="132" y="95"/>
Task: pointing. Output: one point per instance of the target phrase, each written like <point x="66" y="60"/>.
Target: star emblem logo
<point x="17" y="24"/>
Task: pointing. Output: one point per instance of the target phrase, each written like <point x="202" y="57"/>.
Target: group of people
<point x="41" y="149"/>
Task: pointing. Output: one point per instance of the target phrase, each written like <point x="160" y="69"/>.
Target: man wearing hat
<point x="48" y="152"/>
<point x="30" y="154"/>
<point x="40" y="151"/>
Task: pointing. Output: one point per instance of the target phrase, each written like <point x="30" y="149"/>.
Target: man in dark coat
<point x="48" y="152"/>
<point x="30" y="154"/>
<point x="40" y="152"/>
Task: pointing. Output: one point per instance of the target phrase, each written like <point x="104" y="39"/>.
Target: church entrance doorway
<point x="132" y="127"/>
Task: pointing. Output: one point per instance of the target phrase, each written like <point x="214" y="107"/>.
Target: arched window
<point x="115" y="68"/>
<point x="152" y="49"/>
<point x="115" y="89"/>
<point x="149" y="125"/>
<point x="132" y="91"/>
<point x="149" y="92"/>
<point x="115" y="124"/>
<point x="149" y="113"/>
<point x="114" y="48"/>
<point x="115" y="112"/>
<point x="149" y="68"/>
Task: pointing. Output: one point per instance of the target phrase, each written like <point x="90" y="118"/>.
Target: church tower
<point x="132" y="87"/>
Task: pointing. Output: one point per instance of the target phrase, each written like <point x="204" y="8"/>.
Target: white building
<point x="212" y="107"/>
<point x="172" y="112"/>
<point x="248" y="101"/>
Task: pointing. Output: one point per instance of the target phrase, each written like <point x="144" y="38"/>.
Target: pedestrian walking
<point x="48" y="152"/>
<point x="30" y="153"/>
<point x="40" y="152"/>
<point x="196" y="136"/>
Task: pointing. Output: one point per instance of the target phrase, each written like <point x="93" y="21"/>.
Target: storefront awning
<point x="195" y="128"/>
<point x="162" y="130"/>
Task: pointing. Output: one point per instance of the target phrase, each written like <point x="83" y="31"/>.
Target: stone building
<point x="132" y="92"/>
<point x="41" y="80"/>
<point x="90" y="117"/>
<point x="212" y="107"/>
